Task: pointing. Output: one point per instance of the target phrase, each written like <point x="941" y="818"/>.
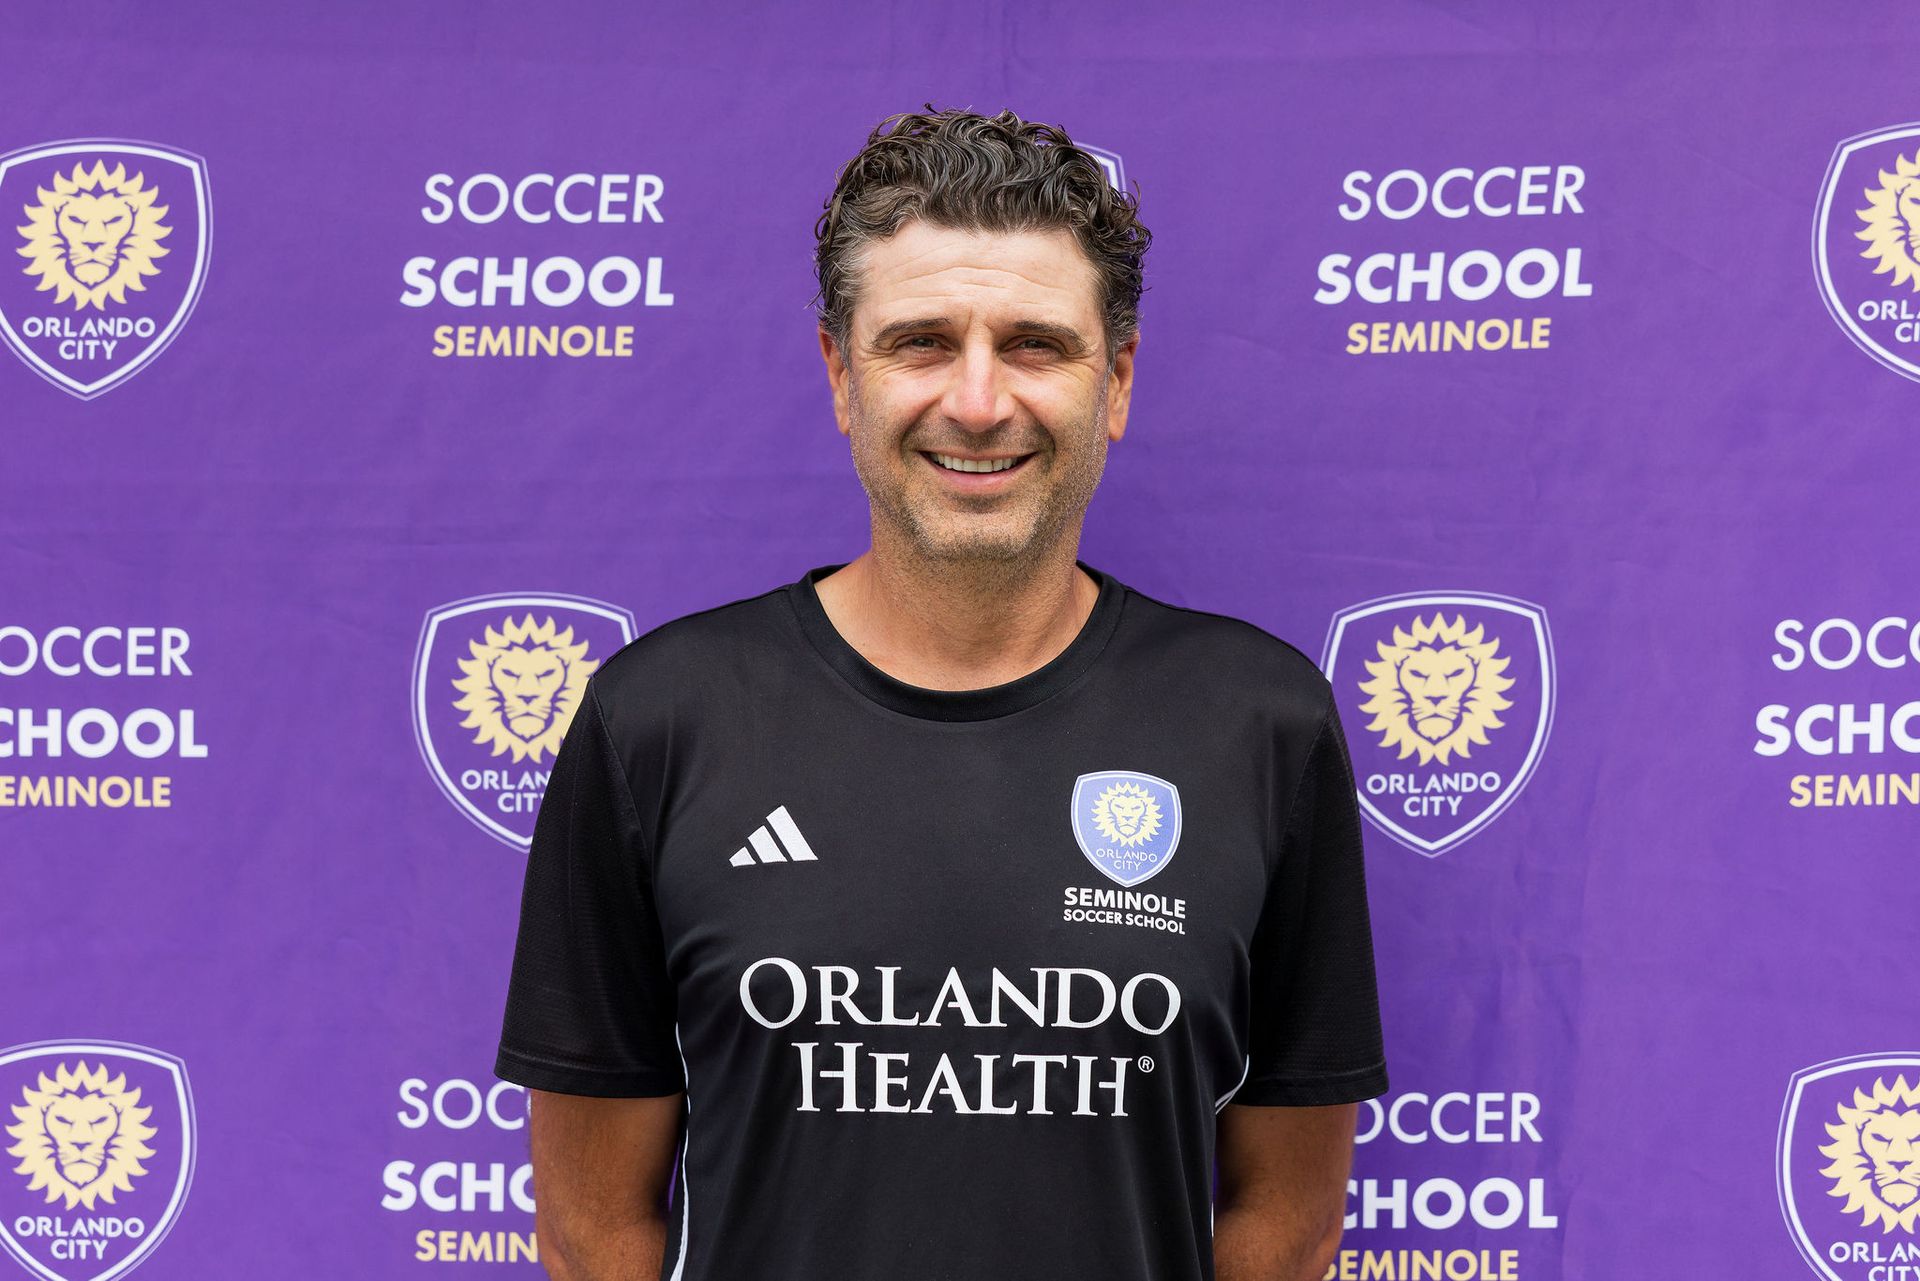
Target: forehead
<point x="928" y="270"/>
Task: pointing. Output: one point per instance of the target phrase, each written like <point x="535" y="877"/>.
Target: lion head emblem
<point x="1436" y="689"/>
<point x="95" y="235"/>
<point x="81" y="1135"/>
<point x="1127" y="814"/>
<point x="1876" y="1155"/>
<point x="1892" y="219"/>
<point x="521" y="687"/>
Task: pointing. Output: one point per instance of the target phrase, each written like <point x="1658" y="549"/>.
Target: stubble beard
<point x="934" y="535"/>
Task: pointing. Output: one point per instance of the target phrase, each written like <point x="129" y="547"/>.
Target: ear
<point x="1120" y="388"/>
<point x="836" y="379"/>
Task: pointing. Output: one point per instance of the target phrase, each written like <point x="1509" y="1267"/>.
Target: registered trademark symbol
<point x="1146" y="1063"/>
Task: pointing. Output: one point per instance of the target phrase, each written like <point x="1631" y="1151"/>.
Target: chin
<point x="975" y="545"/>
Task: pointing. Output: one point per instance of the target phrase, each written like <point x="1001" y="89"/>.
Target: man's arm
<point x="1283" y="1190"/>
<point x="600" y="1171"/>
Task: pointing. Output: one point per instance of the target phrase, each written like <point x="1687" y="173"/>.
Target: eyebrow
<point x="1066" y="334"/>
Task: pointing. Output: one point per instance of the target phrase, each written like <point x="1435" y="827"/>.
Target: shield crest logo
<point x="1110" y="164"/>
<point x="109" y="244"/>
<point x="1848" y="1165"/>
<point x="1865" y="234"/>
<point x="1126" y="823"/>
<point x="1446" y="699"/>
<point x="103" y="1136"/>
<point x="496" y="681"/>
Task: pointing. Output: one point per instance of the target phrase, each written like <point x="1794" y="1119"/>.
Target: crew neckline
<point x="958" y="704"/>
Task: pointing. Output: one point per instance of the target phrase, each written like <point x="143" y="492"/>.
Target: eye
<point x="1037" y="343"/>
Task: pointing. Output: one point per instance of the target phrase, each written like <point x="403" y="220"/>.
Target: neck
<point x="958" y="624"/>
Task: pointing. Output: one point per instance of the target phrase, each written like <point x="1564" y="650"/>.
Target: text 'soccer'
<point x="110" y="245"/>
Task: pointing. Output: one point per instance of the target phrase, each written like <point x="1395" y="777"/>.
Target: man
<point x="949" y="913"/>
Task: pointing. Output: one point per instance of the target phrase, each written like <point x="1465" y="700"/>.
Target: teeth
<point x="966" y="464"/>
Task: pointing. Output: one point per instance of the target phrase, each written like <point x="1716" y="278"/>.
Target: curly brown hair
<point x="978" y="173"/>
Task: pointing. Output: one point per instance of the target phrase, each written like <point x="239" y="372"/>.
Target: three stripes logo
<point x="767" y="850"/>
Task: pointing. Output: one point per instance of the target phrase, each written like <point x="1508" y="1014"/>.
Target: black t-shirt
<point x="955" y="981"/>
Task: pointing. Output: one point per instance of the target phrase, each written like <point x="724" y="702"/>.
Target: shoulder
<point x="1228" y="657"/>
<point x="706" y="648"/>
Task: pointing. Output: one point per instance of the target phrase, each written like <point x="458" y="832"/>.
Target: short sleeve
<point x="590" y="1006"/>
<point x="1314" y="1031"/>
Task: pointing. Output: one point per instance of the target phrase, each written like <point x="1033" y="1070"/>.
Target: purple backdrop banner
<point x="375" y="371"/>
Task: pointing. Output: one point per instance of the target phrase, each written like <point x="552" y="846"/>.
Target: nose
<point x="976" y="395"/>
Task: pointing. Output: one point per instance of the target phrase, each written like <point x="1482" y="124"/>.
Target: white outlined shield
<point x="491" y="775"/>
<point x="1110" y="163"/>
<point x="1126" y="823"/>
<point x="52" y="1090"/>
<point x="1835" y="1235"/>
<point x="86" y="348"/>
<point x="1444" y="730"/>
<point x="1863" y="291"/>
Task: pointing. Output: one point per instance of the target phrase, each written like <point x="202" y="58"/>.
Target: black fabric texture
<point x="925" y="1023"/>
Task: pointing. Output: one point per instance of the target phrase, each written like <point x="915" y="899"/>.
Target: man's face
<point x="975" y="346"/>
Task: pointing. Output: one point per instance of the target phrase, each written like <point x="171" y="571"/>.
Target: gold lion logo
<point x="1127" y="814"/>
<point x="1436" y="689"/>
<point x="522" y="685"/>
<point x="1892" y="219"/>
<point x="81" y="1135"/>
<point x="1876" y="1155"/>
<point x="95" y="235"/>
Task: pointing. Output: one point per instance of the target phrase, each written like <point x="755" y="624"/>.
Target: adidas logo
<point x="768" y="850"/>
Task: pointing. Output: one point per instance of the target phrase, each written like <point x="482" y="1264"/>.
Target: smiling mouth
<point x="974" y="466"/>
